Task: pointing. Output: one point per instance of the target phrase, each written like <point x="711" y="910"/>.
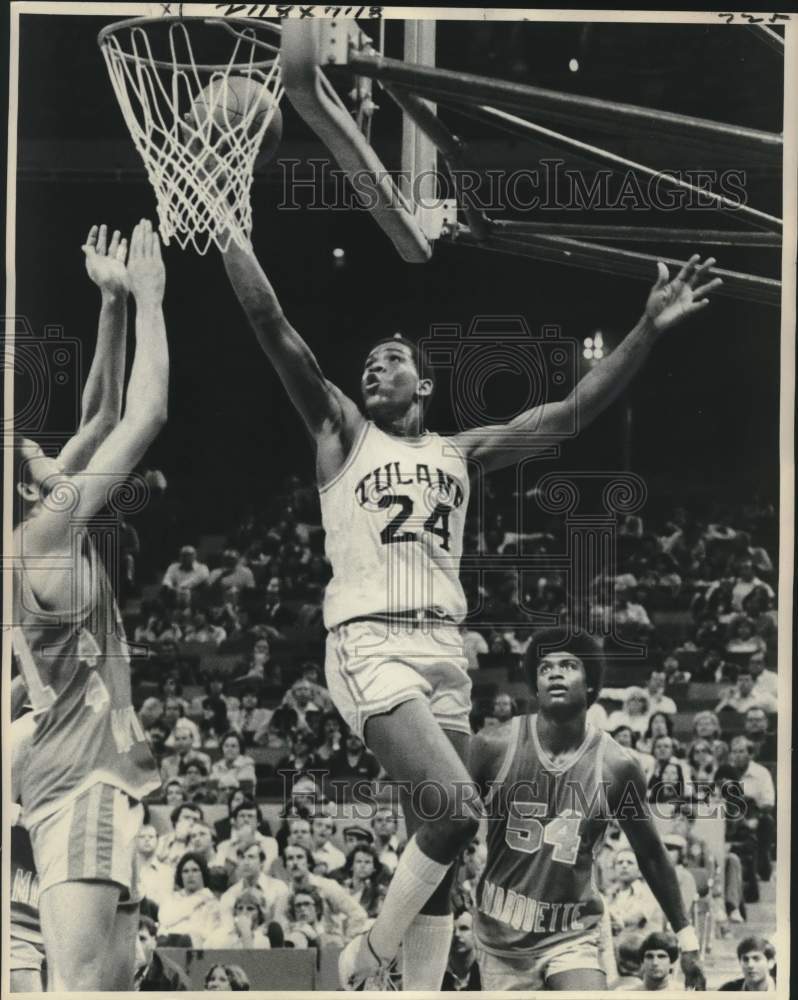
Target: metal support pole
<point x="470" y="88"/>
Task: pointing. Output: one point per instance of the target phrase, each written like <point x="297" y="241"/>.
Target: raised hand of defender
<point x="146" y="273"/>
<point x="105" y="263"/>
<point x="669" y="302"/>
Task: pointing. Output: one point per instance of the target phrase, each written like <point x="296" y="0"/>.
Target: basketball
<point x="230" y="101"/>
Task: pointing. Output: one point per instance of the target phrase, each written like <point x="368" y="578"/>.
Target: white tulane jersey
<point x="394" y="517"/>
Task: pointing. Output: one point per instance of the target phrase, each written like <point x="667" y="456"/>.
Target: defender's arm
<point x="82" y="495"/>
<point x="102" y="394"/>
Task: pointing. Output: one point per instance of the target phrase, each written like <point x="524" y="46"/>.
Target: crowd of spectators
<point x="230" y="692"/>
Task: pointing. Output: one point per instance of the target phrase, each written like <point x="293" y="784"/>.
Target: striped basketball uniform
<point x="89" y="764"/>
<point x="394" y="517"/>
<point x="27" y="947"/>
<point x="538" y="909"/>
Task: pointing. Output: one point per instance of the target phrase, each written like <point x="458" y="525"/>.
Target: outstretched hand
<point x="146" y="272"/>
<point x="105" y="264"/>
<point x="669" y="302"/>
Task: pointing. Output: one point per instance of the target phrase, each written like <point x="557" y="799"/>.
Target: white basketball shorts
<point x="373" y="666"/>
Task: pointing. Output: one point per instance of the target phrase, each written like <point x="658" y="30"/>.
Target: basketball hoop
<point x="200" y="166"/>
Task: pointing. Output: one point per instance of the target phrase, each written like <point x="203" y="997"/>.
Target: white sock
<point x="425" y="952"/>
<point x="414" y="881"/>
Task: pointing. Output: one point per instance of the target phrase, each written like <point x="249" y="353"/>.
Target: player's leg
<point x="438" y="903"/>
<point x="121" y="949"/>
<point x="425" y="946"/>
<point x="85" y="855"/>
<point x="413" y="749"/>
<point x="75" y="918"/>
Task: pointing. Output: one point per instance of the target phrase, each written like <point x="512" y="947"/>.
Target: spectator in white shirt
<point x="173" y="716"/>
<point x="743" y="696"/>
<point x="186" y="576"/>
<point x="385" y="828"/>
<point x="247" y="925"/>
<point x="746" y="581"/>
<point x="251" y="861"/>
<point x="324" y="850"/>
<point x="233" y="767"/>
<point x="756" y="784"/>
<point x="346" y="915"/>
<point x="191" y="908"/>
<point x="632" y="904"/>
<point x="754" y="779"/>
<point x="156" y="877"/>
<point x="765" y="681"/>
<point x="182" y="741"/>
<point x="244" y="829"/>
<point x="474" y="645"/>
<point x="634" y="714"/>
<point x="231" y="578"/>
<point x="658" y="701"/>
<point x="173" y="845"/>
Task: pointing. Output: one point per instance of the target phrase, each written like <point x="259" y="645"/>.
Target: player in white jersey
<point x="87" y="765"/>
<point x="393" y="503"/>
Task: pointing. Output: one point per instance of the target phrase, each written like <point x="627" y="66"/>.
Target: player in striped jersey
<point x="88" y="765"/>
<point x="27" y="947"/>
<point x="551" y="782"/>
<point x="393" y="501"/>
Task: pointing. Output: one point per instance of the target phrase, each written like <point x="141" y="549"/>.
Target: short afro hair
<point x="562" y="640"/>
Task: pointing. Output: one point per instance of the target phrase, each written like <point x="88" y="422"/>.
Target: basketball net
<point x="200" y="166"/>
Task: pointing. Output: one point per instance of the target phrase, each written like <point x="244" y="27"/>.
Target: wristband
<point x="688" y="939"/>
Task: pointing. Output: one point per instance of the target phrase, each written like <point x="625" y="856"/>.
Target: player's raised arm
<point x="669" y="302"/>
<point x="82" y="495"/>
<point x="627" y="800"/>
<point x="323" y="406"/>
<point x="102" y="394"/>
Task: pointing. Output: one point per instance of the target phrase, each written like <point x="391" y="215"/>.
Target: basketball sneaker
<point x="361" y="968"/>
